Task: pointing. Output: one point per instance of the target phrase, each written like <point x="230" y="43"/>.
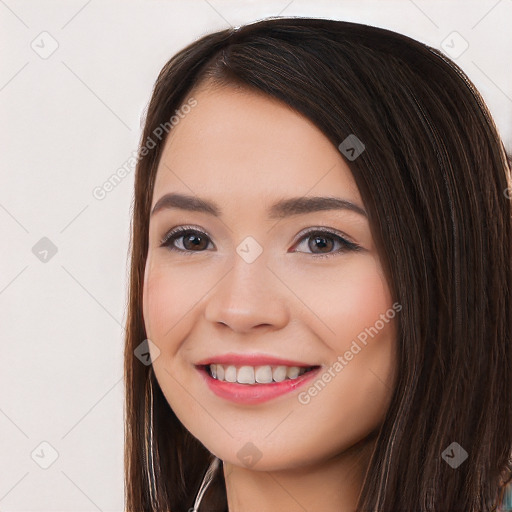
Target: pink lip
<point x="254" y="393"/>
<point x="251" y="360"/>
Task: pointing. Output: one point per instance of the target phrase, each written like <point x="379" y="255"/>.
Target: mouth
<point x="250" y="385"/>
<point x="255" y="375"/>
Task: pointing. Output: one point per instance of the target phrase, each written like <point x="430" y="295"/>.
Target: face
<point x="256" y="289"/>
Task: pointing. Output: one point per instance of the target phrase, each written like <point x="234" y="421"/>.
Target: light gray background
<point x="69" y="121"/>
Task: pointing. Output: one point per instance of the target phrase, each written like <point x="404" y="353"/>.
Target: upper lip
<point x="251" y="360"/>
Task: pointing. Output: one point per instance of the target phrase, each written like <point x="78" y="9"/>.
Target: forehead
<point x="236" y="144"/>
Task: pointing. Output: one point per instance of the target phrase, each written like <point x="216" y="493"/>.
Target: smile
<point x="251" y="375"/>
<point x="254" y="392"/>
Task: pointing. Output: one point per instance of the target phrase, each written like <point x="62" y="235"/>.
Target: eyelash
<point x="180" y="231"/>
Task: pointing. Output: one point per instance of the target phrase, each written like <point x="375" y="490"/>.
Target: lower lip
<point x="254" y="393"/>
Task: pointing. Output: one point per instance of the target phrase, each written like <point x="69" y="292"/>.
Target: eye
<point x="188" y="240"/>
<point x="325" y="240"/>
<point x="192" y="240"/>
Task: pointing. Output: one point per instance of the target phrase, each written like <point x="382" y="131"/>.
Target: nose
<point x="248" y="296"/>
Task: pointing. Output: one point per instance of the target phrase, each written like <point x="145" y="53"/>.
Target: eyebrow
<point x="281" y="209"/>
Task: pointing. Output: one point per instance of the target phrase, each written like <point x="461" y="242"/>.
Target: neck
<point x="330" y="485"/>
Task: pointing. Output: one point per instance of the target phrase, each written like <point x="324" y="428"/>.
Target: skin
<point x="245" y="151"/>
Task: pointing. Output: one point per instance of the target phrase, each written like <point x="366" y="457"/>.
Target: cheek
<point x="169" y="297"/>
<point x="343" y="299"/>
<point x="358" y="324"/>
<point x="363" y="296"/>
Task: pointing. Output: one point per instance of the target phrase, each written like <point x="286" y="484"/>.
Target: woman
<point x="320" y="284"/>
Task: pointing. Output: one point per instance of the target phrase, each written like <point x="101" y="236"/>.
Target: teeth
<point x="255" y="375"/>
<point x="279" y="373"/>
<point x="230" y="374"/>
<point x="263" y="374"/>
<point x="245" y="375"/>
<point x="292" y="372"/>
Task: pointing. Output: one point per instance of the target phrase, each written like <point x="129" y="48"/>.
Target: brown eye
<point x="190" y="240"/>
<point x="322" y="242"/>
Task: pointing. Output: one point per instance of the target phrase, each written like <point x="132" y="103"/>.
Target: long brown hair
<point x="434" y="178"/>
